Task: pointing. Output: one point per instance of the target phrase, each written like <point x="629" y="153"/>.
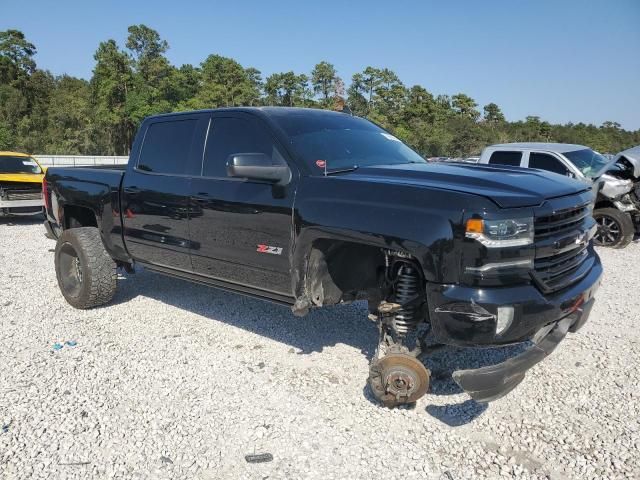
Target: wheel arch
<point x="76" y="216"/>
<point x="603" y="202"/>
<point x="329" y="269"/>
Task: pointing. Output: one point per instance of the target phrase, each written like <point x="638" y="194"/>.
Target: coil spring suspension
<point x="407" y="287"/>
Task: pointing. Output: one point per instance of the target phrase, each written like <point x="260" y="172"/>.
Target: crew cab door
<point x="506" y="157"/>
<point x="241" y="230"/>
<point x="155" y="190"/>
<point x="548" y="162"/>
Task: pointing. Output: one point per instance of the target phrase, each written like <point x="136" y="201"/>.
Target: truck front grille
<point x="562" y="249"/>
<point x="562" y="221"/>
<point x="23" y="194"/>
<point x="553" y="271"/>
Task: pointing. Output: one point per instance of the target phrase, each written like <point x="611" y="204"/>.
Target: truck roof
<point x="547" y="146"/>
<point x="265" y="111"/>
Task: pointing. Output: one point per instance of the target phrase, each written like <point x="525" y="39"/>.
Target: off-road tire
<point x="94" y="269"/>
<point x="624" y="224"/>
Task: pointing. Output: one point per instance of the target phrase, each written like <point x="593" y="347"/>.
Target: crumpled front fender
<point x="613" y="187"/>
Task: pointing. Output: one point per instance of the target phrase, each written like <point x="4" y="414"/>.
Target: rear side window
<point x="230" y="136"/>
<point x="166" y="147"/>
<point x="506" y="158"/>
<point x="546" y="162"/>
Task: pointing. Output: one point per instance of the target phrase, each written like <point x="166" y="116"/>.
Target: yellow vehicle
<point x="20" y="184"/>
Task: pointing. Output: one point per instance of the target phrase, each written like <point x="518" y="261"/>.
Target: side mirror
<point x="257" y="166"/>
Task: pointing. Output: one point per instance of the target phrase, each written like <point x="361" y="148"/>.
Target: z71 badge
<point x="269" y="249"/>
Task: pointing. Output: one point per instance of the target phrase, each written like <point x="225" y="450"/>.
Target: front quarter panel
<point x="421" y="221"/>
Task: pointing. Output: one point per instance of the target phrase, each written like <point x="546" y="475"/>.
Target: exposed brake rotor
<point x="398" y="378"/>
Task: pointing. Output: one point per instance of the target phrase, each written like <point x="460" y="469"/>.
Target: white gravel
<point x="175" y="380"/>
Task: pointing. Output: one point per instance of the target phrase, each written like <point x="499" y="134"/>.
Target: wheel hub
<point x="70" y="269"/>
<point x="398" y="378"/>
<point x="608" y="231"/>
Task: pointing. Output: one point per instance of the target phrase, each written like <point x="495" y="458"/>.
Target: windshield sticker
<point x="388" y="136"/>
<point x="29" y="163"/>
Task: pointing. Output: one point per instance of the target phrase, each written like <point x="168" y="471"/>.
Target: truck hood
<point x="21" y="177"/>
<point x="508" y="187"/>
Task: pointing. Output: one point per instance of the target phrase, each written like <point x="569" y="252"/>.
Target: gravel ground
<point x="174" y="380"/>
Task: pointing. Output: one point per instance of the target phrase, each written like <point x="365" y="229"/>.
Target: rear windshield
<point x="337" y="141"/>
<point x="587" y="161"/>
<point x="19" y="165"/>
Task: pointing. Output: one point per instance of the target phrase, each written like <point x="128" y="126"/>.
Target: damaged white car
<point x="616" y="181"/>
<point x="618" y="204"/>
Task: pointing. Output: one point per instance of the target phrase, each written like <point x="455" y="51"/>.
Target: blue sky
<point x="564" y="60"/>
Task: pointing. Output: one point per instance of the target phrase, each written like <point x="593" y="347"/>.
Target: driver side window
<point x="233" y="135"/>
<point x="544" y="161"/>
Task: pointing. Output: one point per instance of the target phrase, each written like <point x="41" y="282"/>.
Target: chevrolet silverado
<point x="311" y="208"/>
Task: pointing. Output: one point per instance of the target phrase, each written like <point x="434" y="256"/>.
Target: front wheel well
<point x="341" y="271"/>
<point x="603" y="203"/>
<point x="76" y="217"/>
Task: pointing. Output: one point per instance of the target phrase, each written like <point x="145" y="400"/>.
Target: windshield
<point x="340" y="141"/>
<point x="19" y="165"/>
<point x="587" y="161"/>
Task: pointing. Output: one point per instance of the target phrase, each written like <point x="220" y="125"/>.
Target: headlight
<point x="513" y="232"/>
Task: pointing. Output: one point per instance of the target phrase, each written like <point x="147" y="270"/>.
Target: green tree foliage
<point x="145" y="44"/>
<point x="113" y="97"/>
<point x="69" y="117"/>
<point x="492" y="114"/>
<point x="323" y="79"/>
<point x="287" y="90"/>
<point x="465" y="106"/>
<point x="16" y="56"/>
<point x="42" y="113"/>
<point x="357" y="92"/>
<point x="225" y="83"/>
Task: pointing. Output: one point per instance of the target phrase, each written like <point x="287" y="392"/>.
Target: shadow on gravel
<point x="22" y="221"/>
<point x="444" y="362"/>
<point x="457" y="414"/>
<point x="346" y="324"/>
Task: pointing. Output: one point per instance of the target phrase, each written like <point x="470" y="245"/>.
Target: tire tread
<point x="99" y="286"/>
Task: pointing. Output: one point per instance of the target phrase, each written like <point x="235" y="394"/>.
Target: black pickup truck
<point x="311" y="208"/>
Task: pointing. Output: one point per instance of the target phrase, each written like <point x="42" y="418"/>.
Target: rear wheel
<point x="615" y="228"/>
<point x="85" y="271"/>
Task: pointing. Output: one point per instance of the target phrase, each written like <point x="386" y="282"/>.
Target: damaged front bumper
<point x="26" y="206"/>
<point x="490" y="383"/>
<point x="543" y="320"/>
